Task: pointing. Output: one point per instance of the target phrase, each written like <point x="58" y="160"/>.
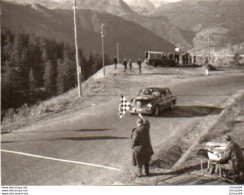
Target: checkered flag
<point x="124" y="106"/>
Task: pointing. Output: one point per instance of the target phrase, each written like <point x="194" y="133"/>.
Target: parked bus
<point x="157" y="58"/>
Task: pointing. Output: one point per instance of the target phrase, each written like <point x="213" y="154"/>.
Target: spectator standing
<point x="194" y="59"/>
<point x="177" y="58"/>
<point x="183" y="59"/>
<point x="115" y="62"/>
<point x="139" y="64"/>
<point x="190" y="59"/>
<point x="125" y="65"/>
<point x="130" y="65"/>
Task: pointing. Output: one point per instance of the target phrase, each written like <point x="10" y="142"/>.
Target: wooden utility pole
<point x="208" y="45"/>
<point x="102" y="36"/>
<point x="118" y="52"/>
<point x="78" y="67"/>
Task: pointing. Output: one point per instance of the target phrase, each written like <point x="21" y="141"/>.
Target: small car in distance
<point x="153" y="100"/>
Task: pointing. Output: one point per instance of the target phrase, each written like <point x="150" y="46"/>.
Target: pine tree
<point x="16" y="50"/>
<point x="61" y="77"/>
<point x="11" y="87"/>
<point x="33" y="83"/>
<point x="91" y="64"/>
<point x="7" y="39"/>
<point x="66" y="73"/>
<point x="49" y="78"/>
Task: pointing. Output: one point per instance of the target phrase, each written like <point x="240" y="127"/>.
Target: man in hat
<point x="232" y="156"/>
<point x="141" y="145"/>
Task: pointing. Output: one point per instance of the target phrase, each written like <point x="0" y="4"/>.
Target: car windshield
<point x="150" y="91"/>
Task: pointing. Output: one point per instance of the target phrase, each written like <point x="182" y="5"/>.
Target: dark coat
<point x="232" y="154"/>
<point x="141" y="145"/>
<point x="125" y="64"/>
<point x="139" y="62"/>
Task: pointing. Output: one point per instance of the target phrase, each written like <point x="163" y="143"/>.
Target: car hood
<point x="146" y="98"/>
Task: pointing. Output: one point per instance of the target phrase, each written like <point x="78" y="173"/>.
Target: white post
<point x="206" y="70"/>
<point x="102" y="35"/>
<point x="78" y="68"/>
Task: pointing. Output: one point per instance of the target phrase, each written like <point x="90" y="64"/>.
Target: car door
<point x="169" y="98"/>
<point x="163" y="99"/>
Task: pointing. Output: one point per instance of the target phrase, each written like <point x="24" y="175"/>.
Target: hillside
<point x="179" y="22"/>
<point x="160" y="26"/>
<point x="58" y="24"/>
<point x="224" y="18"/>
<point x="221" y="41"/>
<point x="141" y="6"/>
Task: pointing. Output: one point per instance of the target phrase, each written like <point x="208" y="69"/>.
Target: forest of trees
<point x="35" y="68"/>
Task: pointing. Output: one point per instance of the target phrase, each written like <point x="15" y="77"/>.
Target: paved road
<point x="92" y="146"/>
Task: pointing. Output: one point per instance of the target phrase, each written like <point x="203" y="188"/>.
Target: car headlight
<point x="149" y="105"/>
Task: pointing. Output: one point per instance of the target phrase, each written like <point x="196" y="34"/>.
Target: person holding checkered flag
<point x="141" y="145"/>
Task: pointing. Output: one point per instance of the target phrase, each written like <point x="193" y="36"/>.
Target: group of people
<point x="172" y="56"/>
<point x="231" y="158"/>
<point x="186" y="58"/>
<point x="129" y="63"/>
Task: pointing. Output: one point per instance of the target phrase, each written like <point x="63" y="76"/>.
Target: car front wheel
<point x="156" y="111"/>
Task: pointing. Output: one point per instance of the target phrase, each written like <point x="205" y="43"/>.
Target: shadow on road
<point x="156" y="73"/>
<point x="191" y="111"/>
<point x="94" y="138"/>
<point x="75" y="130"/>
<point x="70" y="138"/>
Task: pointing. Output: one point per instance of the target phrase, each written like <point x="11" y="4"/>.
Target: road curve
<point x="92" y="147"/>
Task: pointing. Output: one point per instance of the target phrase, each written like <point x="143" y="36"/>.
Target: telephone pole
<point x="78" y="67"/>
<point x="102" y="36"/>
<point x="118" y="52"/>
<point x="208" y="45"/>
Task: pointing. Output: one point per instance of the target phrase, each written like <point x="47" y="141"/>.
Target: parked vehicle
<point x="153" y="100"/>
<point x="157" y="58"/>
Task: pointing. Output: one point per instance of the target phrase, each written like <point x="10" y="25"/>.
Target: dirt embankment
<point x="213" y="130"/>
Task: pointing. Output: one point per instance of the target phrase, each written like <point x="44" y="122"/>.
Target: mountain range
<point x="184" y="23"/>
<point x="134" y="40"/>
<point x="160" y="26"/>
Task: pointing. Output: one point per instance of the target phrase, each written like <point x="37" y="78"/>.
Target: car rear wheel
<point x="156" y="111"/>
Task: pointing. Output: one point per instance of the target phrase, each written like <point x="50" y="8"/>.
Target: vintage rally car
<point x="152" y="100"/>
